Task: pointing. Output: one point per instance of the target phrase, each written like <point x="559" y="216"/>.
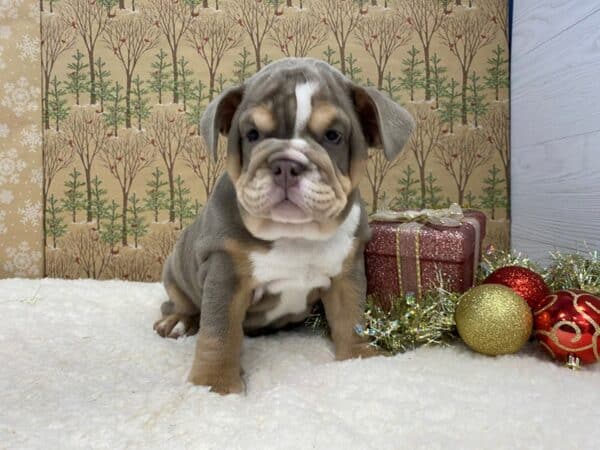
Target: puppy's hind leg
<point x="180" y="316"/>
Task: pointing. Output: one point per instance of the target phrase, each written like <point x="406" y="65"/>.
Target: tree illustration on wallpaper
<point x="133" y="167"/>
<point x="87" y="133"/>
<point x="136" y="225"/>
<point x="493" y="196"/>
<point x="476" y="103"/>
<point x="129" y="37"/>
<point x="438" y="81"/>
<point x="90" y="253"/>
<point x="140" y="104"/>
<point x="381" y="36"/>
<point x="213" y="38"/>
<point x="406" y="191"/>
<point x="208" y="169"/>
<point x="126" y="157"/>
<point x="55" y="39"/>
<point x="89" y="20"/>
<point x="378" y="168"/>
<point x="412" y="78"/>
<point x="168" y="133"/>
<point x="114" y="113"/>
<point x="74" y="198"/>
<point x="156" y="197"/>
<point x="423" y="143"/>
<point x="173" y="19"/>
<point x="341" y="17"/>
<point x="99" y="202"/>
<point x="185" y="82"/>
<point x="298" y="34"/>
<point x="450" y="111"/>
<point x="496" y="126"/>
<point x="55" y="226"/>
<point x="425" y="17"/>
<point x="103" y="83"/>
<point x="56" y="158"/>
<point x="461" y="156"/>
<point x="58" y="109"/>
<point x="256" y="20"/>
<point x="496" y="12"/>
<point x="497" y="72"/>
<point x="160" y="77"/>
<point x="465" y="35"/>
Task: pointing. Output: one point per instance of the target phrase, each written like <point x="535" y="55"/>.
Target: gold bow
<point x="448" y="217"/>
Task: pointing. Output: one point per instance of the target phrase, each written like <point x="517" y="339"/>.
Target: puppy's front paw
<point x="220" y="384"/>
<point x="176" y="325"/>
<point x="361" y="350"/>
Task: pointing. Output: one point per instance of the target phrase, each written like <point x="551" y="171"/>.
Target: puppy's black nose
<point x="286" y="172"/>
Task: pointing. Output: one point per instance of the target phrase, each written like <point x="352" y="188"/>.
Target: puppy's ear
<point x="385" y="124"/>
<point x="218" y="116"/>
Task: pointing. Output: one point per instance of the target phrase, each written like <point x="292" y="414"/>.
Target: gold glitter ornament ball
<point x="492" y="319"/>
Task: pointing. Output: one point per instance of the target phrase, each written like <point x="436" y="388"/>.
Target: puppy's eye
<point x="252" y="135"/>
<point x="333" y="137"/>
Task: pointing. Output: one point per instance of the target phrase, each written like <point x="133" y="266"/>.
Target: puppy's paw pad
<point x="175" y="325"/>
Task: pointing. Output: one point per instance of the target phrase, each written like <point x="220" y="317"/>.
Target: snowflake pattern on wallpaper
<point x="36" y="177"/>
<point x="10" y="166"/>
<point x="31" y="213"/>
<point x="6" y="197"/>
<point x="23" y="261"/>
<point x="31" y="137"/>
<point x="20" y="140"/>
<point x="2" y="224"/>
<point x="8" y="8"/>
<point x="5" y="32"/>
<point x="29" y="48"/>
<point x="21" y="97"/>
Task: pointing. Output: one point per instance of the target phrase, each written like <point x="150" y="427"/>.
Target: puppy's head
<point x="298" y="135"/>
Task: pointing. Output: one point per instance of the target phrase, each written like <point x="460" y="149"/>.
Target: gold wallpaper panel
<point x="123" y="84"/>
<point x="21" y="251"/>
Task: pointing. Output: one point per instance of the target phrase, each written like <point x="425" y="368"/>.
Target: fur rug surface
<point x="81" y="368"/>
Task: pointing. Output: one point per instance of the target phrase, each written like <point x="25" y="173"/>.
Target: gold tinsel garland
<point x="413" y="322"/>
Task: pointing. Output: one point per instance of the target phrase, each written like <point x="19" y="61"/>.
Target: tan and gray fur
<point x="285" y="226"/>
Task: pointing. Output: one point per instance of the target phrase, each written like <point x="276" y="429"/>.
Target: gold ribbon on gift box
<point x="453" y="216"/>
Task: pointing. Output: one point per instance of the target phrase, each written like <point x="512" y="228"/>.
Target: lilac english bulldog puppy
<point x="285" y="226"/>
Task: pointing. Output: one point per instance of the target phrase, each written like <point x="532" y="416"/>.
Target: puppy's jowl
<point x="285" y="226"/>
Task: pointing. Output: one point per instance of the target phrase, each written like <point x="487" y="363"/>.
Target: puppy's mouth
<point x="291" y="183"/>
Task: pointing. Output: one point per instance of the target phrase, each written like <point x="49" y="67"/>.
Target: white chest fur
<point x="293" y="267"/>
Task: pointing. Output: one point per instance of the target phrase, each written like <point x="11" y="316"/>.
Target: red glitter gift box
<point x="411" y="250"/>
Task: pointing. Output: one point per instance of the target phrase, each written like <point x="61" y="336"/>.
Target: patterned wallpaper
<point x="20" y="140"/>
<point x="123" y="83"/>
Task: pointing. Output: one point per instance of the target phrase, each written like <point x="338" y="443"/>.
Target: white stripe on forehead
<point x="304" y="93"/>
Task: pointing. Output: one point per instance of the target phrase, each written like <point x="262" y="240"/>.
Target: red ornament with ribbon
<point x="567" y="324"/>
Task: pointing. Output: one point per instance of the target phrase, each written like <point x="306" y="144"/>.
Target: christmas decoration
<point x="411" y="322"/>
<point x="523" y="281"/>
<point x="574" y="271"/>
<point x="567" y="324"/>
<point x="493" y="259"/>
<point x="493" y="320"/>
<point x="410" y="248"/>
<point x="485" y="313"/>
<point x="407" y="324"/>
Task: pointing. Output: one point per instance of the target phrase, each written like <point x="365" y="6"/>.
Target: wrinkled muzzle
<point x="292" y="181"/>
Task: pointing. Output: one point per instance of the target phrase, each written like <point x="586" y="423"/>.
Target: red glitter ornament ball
<point x="567" y="323"/>
<point x="525" y="282"/>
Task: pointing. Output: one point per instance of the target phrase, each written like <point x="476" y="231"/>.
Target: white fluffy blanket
<point x="80" y="367"/>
